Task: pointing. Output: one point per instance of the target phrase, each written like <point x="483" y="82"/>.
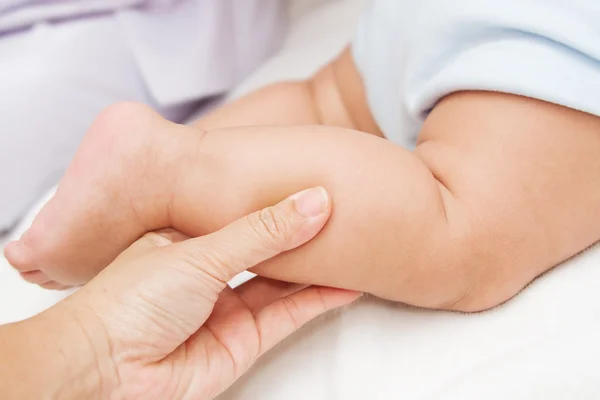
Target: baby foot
<point x="116" y="189"/>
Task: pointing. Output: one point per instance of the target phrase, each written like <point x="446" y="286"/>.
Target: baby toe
<point x="36" y="277"/>
<point x="19" y="257"/>
<point x="52" y="285"/>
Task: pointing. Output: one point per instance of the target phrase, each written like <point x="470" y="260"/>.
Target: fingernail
<point x="312" y="202"/>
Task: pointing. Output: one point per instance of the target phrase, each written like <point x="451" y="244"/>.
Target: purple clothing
<point x="64" y="61"/>
<point x="18" y="14"/>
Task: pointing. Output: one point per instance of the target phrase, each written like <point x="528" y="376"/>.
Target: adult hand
<point x="161" y="322"/>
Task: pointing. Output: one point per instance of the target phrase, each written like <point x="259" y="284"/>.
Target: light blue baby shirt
<point x="413" y="53"/>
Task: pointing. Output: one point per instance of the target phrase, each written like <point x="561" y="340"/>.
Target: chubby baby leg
<point x="136" y="173"/>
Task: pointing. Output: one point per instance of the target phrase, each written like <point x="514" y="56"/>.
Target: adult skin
<point x="161" y="322"/>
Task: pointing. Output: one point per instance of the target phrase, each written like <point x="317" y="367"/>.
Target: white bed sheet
<point x="541" y="345"/>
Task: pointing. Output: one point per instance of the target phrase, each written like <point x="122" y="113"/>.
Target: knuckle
<point x="321" y="297"/>
<point x="209" y="261"/>
<point x="293" y="311"/>
<point x="271" y="227"/>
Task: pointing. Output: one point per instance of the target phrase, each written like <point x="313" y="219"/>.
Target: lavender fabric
<point x="62" y="62"/>
<point x="17" y="14"/>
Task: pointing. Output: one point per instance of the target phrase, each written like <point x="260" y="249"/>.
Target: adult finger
<point x="283" y="317"/>
<point x="258" y="236"/>
<point x="259" y="292"/>
<point x="170" y="289"/>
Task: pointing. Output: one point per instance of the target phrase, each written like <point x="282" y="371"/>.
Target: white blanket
<point x="541" y="345"/>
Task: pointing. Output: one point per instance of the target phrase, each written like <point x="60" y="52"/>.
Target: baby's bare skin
<point x="500" y="189"/>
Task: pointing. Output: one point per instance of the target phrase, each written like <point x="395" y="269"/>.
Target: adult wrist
<point x="86" y="348"/>
<point x="58" y="358"/>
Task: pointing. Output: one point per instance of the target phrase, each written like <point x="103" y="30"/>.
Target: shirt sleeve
<point x="546" y="50"/>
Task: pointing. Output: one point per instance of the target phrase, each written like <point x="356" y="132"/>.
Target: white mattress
<point x="541" y="345"/>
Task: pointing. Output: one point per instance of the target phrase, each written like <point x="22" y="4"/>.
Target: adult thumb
<point x="259" y="236"/>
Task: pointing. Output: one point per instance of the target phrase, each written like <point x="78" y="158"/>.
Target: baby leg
<point x="161" y="174"/>
<point x="109" y="155"/>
